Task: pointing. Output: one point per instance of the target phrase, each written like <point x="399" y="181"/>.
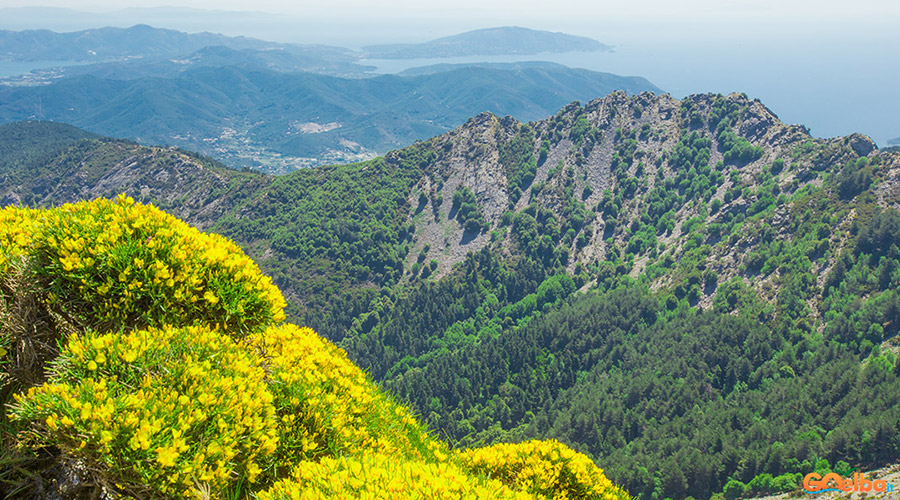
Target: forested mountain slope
<point x="691" y="291"/>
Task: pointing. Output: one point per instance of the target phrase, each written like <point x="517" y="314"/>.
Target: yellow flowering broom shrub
<point x="15" y="233"/>
<point x="379" y="476"/>
<point x="176" y="382"/>
<point x="119" y="264"/>
<point x="328" y="406"/>
<point x="168" y="411"/>
<point x="545" y="468"/>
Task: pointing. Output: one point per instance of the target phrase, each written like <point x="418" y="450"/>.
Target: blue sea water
<point x="17" y="68"/>
<point x="835" y="87"/>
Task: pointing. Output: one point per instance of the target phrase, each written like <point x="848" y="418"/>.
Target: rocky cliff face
<point x="188" y="186"/>
<point x="618" y="155"/>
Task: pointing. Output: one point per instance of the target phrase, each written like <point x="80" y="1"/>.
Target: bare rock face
<point x="758" y="121"/>
<point x="861" y="144"/>
<point x="169" y="178"/>
<point x="583" y="151"/>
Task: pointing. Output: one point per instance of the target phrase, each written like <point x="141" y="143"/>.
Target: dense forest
<point x="699" y="297"/>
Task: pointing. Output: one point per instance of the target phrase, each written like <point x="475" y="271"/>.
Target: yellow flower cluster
<point x="377" y="476"/>
<point x="546" y="468"/>
<point x="188" y="412"/>
<point x="120" y="264"/>
<point x="327" y="405"/>
<point x="15" y="233"/>
<point x="169" y="409"/>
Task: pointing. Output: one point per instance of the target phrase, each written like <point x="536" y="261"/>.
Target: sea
<point x="15" y="68"/>
<point x="834" y="88"/>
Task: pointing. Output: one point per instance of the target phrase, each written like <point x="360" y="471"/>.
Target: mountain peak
<point x="616" y="144"/>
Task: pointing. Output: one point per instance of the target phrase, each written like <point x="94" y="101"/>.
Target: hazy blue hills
<point x="105" y="43"/>
<point x="26" y="148"/>
<point x="167" y="46"/>
<point x="509" y="66"/>
<point x="247" y="116"/>
<point x="288" y="59"/>
<point x="279" y="107"/>
<point x="172" y="17"/>
<point x="489" y="41"/>
<point x="143" y="50"/>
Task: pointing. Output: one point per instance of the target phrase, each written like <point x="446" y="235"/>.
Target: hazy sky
<point x="873" y="11"/>
<point x="795" y="6"/>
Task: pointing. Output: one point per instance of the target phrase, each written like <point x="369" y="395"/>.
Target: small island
<point x="507" y="40"/>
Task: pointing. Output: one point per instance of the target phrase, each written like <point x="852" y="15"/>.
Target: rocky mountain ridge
<point x="582" y="160"/>
<point x="658" y="123"/>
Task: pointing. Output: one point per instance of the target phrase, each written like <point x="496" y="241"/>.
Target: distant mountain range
<point x="179" y="18"/>
<point x="247" y="115"/>
<point x="487" y="42"/>
<point x="107" y="43"/>
<point x="510" y="66"/>
<point x="144" y="50"/>
<point x="146" y="42"/>
<point x="278" y="107"/>
<point x="319" y="59"/>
